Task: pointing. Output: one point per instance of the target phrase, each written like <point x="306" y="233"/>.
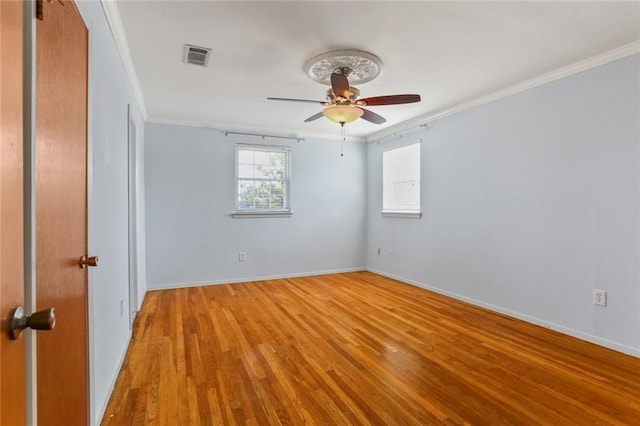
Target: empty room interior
<point x="309" y="212"/>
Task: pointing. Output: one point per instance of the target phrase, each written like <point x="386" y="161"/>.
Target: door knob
<point x="88" y="261"/>
<point x="41" y="320"/>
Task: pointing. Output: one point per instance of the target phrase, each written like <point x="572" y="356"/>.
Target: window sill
<point x="255" y="214"/>
<point x="403" y="215"/>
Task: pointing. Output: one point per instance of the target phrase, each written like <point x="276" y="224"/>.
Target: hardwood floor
<point x="358" y="348"/>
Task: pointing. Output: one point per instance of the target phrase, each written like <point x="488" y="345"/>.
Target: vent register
<point x="196" y="55"/>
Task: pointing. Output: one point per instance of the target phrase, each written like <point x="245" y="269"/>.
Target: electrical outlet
<point x="392" y="254"/>
<point x="121" y="307"/>
<point x="242" y="256"/>
<point x="600" y="297"/>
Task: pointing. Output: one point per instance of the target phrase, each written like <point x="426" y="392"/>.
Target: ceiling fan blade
<point x="297" y="100"/>
<point x="313" y="117"/>
<point x="340" y="85"/>
<point x="388" y="100"/>
<point x="372" y="117"/>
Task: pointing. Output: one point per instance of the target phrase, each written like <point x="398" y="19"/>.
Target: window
<point x="262" y="180"/>
<point x="401" y="181"/>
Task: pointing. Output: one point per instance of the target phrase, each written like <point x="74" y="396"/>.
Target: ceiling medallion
<point x="363" y="66"/>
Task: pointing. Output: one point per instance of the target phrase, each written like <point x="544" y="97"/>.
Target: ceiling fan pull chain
<point x="342" y="141"/>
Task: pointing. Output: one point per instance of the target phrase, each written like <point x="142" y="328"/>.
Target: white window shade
<point x="401" y="179"/>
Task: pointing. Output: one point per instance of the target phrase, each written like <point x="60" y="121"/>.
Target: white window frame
<point x="249" y="213"/>
<point x="409" y="214"/>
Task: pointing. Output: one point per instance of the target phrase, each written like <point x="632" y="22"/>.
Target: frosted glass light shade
<point x="342" y="113"/>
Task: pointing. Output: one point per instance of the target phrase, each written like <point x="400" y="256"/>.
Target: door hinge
<point x="39" y="9"/>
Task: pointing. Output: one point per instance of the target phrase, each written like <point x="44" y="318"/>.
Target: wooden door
<point x="12" y="352"/>
<point x="61" y="213"/>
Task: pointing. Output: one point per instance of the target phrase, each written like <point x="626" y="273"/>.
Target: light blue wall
<point x="192" y="238"/>
<point x="109" y="96"/>
<point x="530" y="203"/>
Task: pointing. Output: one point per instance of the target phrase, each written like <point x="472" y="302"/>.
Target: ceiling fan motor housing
<point x="339" y="100"/>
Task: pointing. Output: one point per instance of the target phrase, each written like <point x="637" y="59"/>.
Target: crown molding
<point x="114" y="20"/>
<point x="234" y="128"/>
<point x="569" y="70"/>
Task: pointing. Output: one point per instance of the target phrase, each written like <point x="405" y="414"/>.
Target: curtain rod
<point x="404" y="132"/>
<point x="226" y="133"/>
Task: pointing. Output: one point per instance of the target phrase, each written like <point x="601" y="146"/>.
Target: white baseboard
<point x="101" y="410"/>
<point x="171" y="286"/>
<point x="532" y="320"/>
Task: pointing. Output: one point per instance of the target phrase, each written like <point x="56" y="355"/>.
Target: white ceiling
<point x="448" y="52"/>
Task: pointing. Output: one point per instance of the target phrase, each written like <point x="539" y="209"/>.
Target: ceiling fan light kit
<point x="342" y="114"/>
<point x="340" y="69"/>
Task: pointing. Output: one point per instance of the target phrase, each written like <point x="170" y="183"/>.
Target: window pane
<point x="401" y="179"/>
<point x="246" y="194"/>
<point x="245" y="170"/>
<point x="264" y="196"/>
<point x="277" y="195"/>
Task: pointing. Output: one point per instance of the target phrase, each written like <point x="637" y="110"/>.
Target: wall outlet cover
<point x="600" y="297"/>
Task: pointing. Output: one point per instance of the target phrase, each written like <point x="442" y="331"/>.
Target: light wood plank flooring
<point x="358" y="348"/>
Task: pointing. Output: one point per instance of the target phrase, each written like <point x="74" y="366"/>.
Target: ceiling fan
<point x="343" y="104"/>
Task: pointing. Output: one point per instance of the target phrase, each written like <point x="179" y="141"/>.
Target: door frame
<point x="29" y="105"/>
<point x="133" y="191"/>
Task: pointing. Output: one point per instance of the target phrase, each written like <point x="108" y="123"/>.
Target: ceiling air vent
<point x="196" y="55"/>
